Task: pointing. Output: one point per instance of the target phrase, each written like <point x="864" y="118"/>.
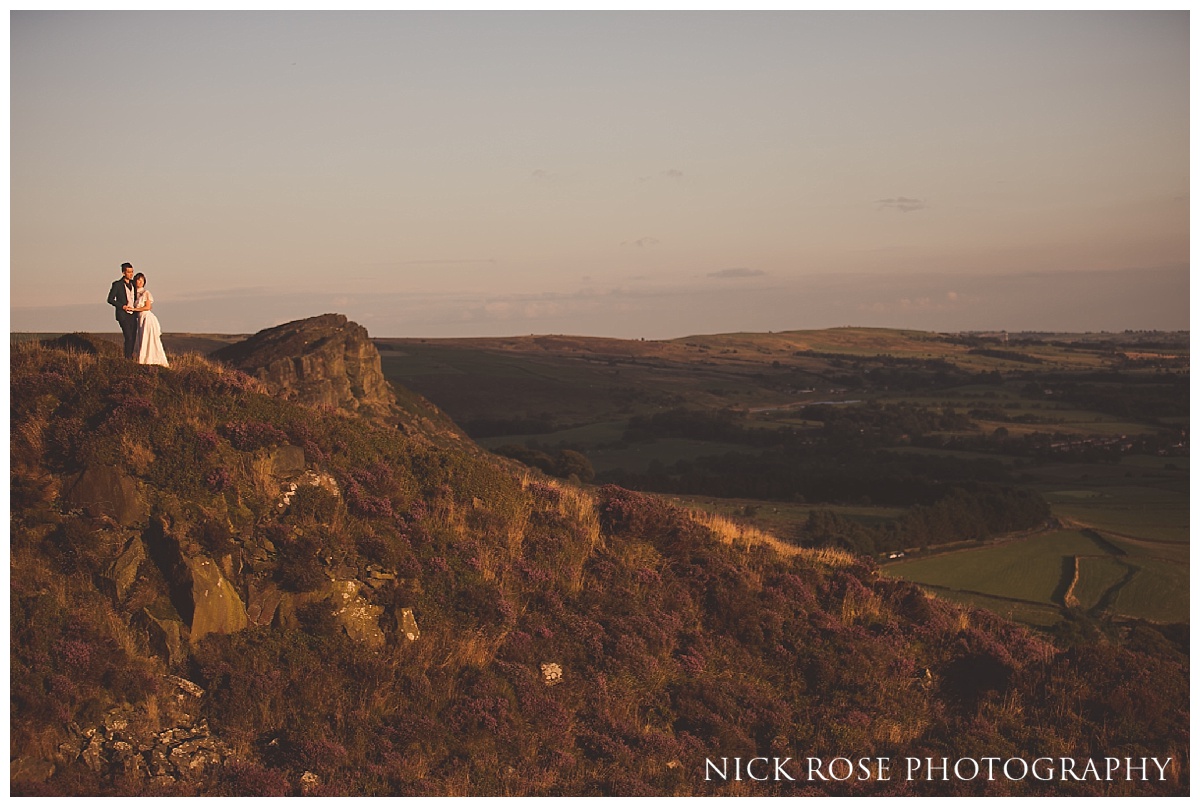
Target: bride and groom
<point x="143" y="334"/>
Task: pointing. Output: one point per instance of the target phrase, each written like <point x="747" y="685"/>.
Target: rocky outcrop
<point x="330" y="361"/>
<point x="102" y="490"/>
<point x="324" y="361"/>
<point x="203" y="597"/>
<point x="121" y="574"/>
<point x="217" y="608"/>
<point x="127" y="743"/>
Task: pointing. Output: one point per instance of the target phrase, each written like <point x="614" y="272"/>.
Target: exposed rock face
<point x="120" y="575"/>
<point x="127" y="743"/>
<point x="217" y="606"/>
<point x="357" y="617"/>
<point x="203" y="597"/>
<point x="103" y="490"/>
<point x="325" y="360"/>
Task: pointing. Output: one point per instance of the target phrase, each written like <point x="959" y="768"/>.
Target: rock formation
<point x="331" y="361"/>
<point x="325" y="361"/>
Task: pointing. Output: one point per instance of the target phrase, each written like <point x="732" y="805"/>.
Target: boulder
<point x="104" y="491"/>
<point x="121" y="574"/>
<point x="262" y="603"/>
<point x="27" y="770"/>
<point x="357" y="617"/>
<point x="217" y="608"/>
<point x="287" y="461"/>
<point x="408" y="625"/>
<point x="325" y="361"/>
<point x="166" y="637"/>
<point x="331" y="361"/>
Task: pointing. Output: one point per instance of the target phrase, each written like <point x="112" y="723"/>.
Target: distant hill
<point x="220" y="586"/>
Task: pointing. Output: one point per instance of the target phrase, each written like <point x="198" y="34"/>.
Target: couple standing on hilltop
<point x="143" y="334"/>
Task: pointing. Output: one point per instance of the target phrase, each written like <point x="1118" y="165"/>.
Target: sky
<point x="627" y="174"/>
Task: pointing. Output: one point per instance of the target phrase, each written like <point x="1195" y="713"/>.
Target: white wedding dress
<point x="148" y="349"/>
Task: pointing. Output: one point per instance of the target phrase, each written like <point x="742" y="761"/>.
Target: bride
<point x="148" y="347"/>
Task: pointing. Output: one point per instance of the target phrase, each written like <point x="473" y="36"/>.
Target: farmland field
<point x="1030" y="569"/>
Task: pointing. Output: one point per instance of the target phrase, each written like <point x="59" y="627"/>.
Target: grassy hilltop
<point x="403" y="614"/>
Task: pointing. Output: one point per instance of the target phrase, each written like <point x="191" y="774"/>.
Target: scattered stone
<point x="93" y="754"/>
<point x="309" y="781"/>
<point x="408" y="625"/>
<point x="552" y="674"/>
<point x="193" y="689"/>
<point x="287" y="461"/>
<point x="359" y="618"/>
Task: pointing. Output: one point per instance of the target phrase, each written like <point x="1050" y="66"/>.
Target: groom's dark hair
<point x="124" y="265"/>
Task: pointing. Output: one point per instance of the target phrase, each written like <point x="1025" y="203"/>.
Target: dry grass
<point x="28" y="440"/>
<point x="580" y="508"/>
<point x="863" y="608"/>
<point x="898" y="732"/>
<point x="260" y="471"/>
<point x="137" y="454"/>
<point x="746" y="538"/>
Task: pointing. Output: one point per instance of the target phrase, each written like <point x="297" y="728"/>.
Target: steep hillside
<point x="220" y="591"/>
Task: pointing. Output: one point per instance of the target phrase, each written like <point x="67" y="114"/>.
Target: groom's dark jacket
<point x="116" y="296"/>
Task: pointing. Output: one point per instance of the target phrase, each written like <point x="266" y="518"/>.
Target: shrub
<point x="300" y="563"/>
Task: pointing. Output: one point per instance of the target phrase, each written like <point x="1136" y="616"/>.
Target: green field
<point x="1097" y="576"/>
<point x="1158" y="592"/>
<point x="1028" y="578"/>
<point x="1029" y="569"/>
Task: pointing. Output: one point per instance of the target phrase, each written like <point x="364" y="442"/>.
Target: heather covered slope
<point x="400" y="615"/>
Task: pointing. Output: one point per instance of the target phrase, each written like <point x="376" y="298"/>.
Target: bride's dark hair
<point x="135" y="277"/>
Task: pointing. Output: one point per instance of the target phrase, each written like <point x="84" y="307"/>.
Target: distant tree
<point x="572" y="463"/>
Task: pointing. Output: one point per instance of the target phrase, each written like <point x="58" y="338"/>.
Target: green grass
<point x="1023" y="579"/>
<point x="1158" y="592"/>
<point x="1096" y="576"/>
<point x="1027" y="613"/>
<point x="1029" y="569"/>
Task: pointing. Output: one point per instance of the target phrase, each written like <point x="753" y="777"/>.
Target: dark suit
<point x="128" y="322"/>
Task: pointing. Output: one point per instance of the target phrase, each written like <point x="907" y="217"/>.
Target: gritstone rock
<point x="105" y="491"/>
<point x="218" y="609"/>
<point x="122" y="572"/>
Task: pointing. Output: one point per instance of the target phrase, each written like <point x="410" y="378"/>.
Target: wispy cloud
<point x="642" y="243"/>
<point x="543" y="177"/>
<point x="903" y="204"/>
<point x="433" y="262"/>
<point x="740" y="271"/>
<point x="669" y="174"/>
<point x="949" y="301"/>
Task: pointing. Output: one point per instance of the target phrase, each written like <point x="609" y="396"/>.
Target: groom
<point x="121" y="298"/>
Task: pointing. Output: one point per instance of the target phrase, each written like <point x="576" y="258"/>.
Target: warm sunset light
<point x="619" y="174"/>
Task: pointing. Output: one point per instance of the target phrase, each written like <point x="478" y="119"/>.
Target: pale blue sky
<point x="624" y="174"/>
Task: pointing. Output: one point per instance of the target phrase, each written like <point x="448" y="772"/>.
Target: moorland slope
<point x="219" y="591"/>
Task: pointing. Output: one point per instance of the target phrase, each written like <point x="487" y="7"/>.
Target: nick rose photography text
<point x="944" y="769"/>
